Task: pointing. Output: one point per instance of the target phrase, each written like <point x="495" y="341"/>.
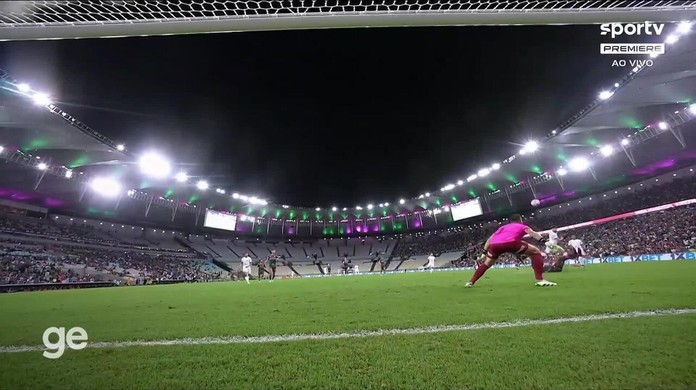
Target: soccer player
<point x="272" y="264"/>
<point x="382" y="265"/>
<point x="552" y="246"/>
<point x="508" y="239"/>
<point x="246" y="267"/>
<point x="262" y="268"/>
<point x="577" y="246"/>
<point x="431" y="262"/>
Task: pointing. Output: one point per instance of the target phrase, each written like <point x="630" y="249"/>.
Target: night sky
<point x="326" y="117"/>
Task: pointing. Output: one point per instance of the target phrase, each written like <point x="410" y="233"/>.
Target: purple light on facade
<point x="416" y="224"/>
<point x="349" y="230"/>
<point x="291" y="231"/>
<point x="358" y="229"/>
<point x="52" y="202"/>
<point x="375" y="228"/>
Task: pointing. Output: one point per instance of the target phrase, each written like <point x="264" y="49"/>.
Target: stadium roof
<point x="632" y="109"/>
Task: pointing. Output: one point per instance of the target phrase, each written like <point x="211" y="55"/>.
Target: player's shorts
<point x="514" y="247"/>
<point x="431" y="265"/>
<point x="579" y="251"/>
<point x="246" y="270"/>
<point x="554" y="247"/>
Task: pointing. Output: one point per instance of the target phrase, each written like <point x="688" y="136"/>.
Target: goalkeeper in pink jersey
<point x="508" y="239"/>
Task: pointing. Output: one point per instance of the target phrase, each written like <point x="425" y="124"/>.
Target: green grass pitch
<point x="645" y="352"/>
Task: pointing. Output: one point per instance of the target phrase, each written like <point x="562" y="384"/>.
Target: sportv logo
<point x="617" y="29"/>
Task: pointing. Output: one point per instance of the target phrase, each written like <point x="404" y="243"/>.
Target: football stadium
<point x="397" y="194"/>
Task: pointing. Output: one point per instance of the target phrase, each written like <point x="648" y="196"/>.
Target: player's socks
<point x="479" y="272"/>
<point x="538" y="266"/>
<point x="247" y="279"/>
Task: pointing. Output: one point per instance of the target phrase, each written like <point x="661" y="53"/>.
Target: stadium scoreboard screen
<point x="218" y="220"/>
<point x="466" y="210"/>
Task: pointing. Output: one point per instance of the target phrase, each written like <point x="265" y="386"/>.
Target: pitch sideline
<point x="360" y="334"/>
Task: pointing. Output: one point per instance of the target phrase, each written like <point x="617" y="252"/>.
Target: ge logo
<point x="75" y="338"/>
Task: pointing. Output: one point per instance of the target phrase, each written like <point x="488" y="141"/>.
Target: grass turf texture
<point x="624" y="353"/>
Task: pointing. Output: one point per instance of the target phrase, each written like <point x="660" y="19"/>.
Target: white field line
<point x="359" y="334"/>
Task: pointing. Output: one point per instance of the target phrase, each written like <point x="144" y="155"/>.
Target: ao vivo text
<point x="633" y="63"/>
<point x="75" y="338"/>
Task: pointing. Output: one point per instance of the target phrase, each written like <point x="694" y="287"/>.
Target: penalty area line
<point x="358" y="334"/>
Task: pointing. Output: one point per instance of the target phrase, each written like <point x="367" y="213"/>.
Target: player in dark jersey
<point x="345" y="265"/>
<point x="382" y="264"/>
<point x="272" y="264"/>
<point x="261" y="264"/>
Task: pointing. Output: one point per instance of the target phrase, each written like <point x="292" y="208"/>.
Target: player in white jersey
<point x="552" y="243"/>
<point x="577" y="246"/>
<point x="431" y="262"/>
<point x="246" y="266"/>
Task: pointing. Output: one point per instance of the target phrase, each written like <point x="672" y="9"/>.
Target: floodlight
<point x="120" y="147"/>
<point x="318" y="209"/>
<point x="345" y="208"/>
<point x="23" y="87"/>
<point x="202" y="185"/>
<point x="471" y="178"/>
<point x="402" y="201"/>
<point x="578" y="164"/>
<point x="483" y="172"/>
<point x="684" y="27"/>
<point x="236" y="196"/>
<point x="662" y="125"/>
<point x="427" y="194"/>
<point x="154" y="165"/>
<point x="604" y="95"/>
<point x="370" y="206"/>
<point x="607" y="150"/>
<point x="41" y="99"/>
<point x="529" y="147"/>
<point x="68" y="174"/>
<point x="106" y="186"/>
<point x="448" y="187"/>
<point x="358" y="208"/>
<point x="562" y="172"/>
<point x="181" y="177"/>
<point x="616" y="85"/>
<point x="386" y="204"/>
<point x="495" y="166"/>
<point x="2" y="148"/>
<point x="672" y="39"/>
<point x="42" y="166"/>
<point x="625" y="141"/>
<point x="220" y="191"/>
<point x="692" y="108"/>
<point x="460" y="182"/>
<point x="334" y="208"/>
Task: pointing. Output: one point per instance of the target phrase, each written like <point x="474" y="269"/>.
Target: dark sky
<point x="326" y="117"/>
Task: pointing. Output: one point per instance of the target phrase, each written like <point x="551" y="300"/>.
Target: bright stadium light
<point x="120" y="147"/>
<point x="471" y="178"/>
<point x="220" y="191"/>
<point x="495" y="166"/>
<point x="483" y="172"/>
<point x="154" y="165"/>
<point x="684" y="27"/>
<point x="662" y="125"/>
<point x="427" y="194"/>
<point x="672" y="39"/>
<point x="42" y="166"/>
<point x="334" y="208"/>
<point x="460" y="182"/>
<point x="625" y="141"/>
<point x="23" y="87"/>
<point x="358" y="207"/>
<point x="692" y="108"/>
<point x="448" y="187"/>
<point x="604" y="95"/>
<point x="529" y="147"/>
<point x="2" y="148"/>
<point x="235" y="196"/>
<point x="370" y="206"/>
<point x="202" y="185"/>
<point x="402" y="201"/>
<point x="181" y="177"/>
<point x="68" y="174"/>
<point x="318" y="209"/>
<point x="105" y="186"/>
<point x="607" y="150"/>
<point x="578" y="164"/>
<point x="41" y="99"/>
<point x="386" y="204"/>
<point x="562" y="171"/>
